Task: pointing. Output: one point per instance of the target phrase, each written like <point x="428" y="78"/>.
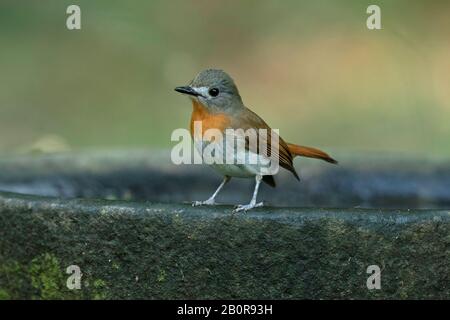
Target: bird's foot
<point x="209" y="202"/>
<point x="246" y="207"/>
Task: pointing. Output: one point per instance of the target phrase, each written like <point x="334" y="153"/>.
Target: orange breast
<point x="208" y="120"/>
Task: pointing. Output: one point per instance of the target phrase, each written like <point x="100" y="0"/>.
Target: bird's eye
<point x="213" y="92"/>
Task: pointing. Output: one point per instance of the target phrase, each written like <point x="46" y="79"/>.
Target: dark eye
<point x="213" y="92"/>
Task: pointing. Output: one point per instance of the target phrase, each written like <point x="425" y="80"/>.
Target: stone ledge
<point x="132" y="249"/>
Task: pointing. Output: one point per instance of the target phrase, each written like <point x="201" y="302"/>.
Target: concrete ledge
<point x="132" y="249"/>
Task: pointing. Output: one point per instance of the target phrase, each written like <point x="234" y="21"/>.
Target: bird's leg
<point x="211" y="200"/>
<point x="252" y="204"/>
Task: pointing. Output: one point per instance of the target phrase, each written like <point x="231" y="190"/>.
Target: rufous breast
<point x="208" y="120"/>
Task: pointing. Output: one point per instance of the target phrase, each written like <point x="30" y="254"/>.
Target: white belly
<point x="231" y="161"/>
<point x="233" y="170"/>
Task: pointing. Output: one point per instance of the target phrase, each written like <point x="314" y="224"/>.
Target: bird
<point x="217" y="105"/>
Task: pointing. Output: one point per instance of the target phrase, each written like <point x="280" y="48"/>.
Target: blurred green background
<point x="310" y="68"/>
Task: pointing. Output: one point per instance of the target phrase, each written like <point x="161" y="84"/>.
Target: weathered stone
<point x="154" y="250"/>
<point x="141" y="249"/>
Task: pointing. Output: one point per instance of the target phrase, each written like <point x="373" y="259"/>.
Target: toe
<point x="209" y="202"/>
<point x="247" y="207"/>
<point x="237" y="209"/>
<point x="196" y="203"/>
<point x="241" y="208"/>
<point x="201" y="203"/>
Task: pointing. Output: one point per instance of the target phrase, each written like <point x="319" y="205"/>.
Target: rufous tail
<point x="310" y="153"/>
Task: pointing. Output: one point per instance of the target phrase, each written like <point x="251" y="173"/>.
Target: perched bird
<point x="218" y="105"/>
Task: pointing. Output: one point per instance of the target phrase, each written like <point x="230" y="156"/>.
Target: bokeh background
<point x="310" y="68"/>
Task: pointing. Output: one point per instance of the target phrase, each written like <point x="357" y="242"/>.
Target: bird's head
<point x="214" y="89"/>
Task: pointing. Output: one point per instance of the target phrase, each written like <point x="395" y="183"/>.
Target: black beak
<point x="187" y="90"/>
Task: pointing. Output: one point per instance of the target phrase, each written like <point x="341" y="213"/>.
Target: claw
<point x="209" y="202"/>
<point x="246" y="207"/>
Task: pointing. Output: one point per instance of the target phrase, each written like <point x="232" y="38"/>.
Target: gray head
<point x="214" y="89"/>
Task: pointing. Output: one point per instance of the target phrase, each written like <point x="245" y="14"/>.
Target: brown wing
<point x="247" y="119"/>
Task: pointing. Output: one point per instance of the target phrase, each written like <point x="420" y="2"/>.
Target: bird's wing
<point x="247" y="119"/>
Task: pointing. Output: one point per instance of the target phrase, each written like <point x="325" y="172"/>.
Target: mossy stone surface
<point x="148" y="250"/>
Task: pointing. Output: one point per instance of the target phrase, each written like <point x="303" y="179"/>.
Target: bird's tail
<point x="310" y="153"/>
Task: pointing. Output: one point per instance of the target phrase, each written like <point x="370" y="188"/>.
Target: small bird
<point x="217" y="104"/>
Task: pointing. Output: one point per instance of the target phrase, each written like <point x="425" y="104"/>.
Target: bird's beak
<point x="187" y="90"/>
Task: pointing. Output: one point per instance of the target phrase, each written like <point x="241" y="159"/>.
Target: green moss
<point x="161" y="276"/>
<point x="46" y="277"/>
<point x="14" y="280"/>
<point x="43" y="278"/>
<point x="99" y="291"/>
<point x="4" y="295"/>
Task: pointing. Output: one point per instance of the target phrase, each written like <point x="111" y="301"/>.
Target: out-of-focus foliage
<point x="310" y="68"/>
